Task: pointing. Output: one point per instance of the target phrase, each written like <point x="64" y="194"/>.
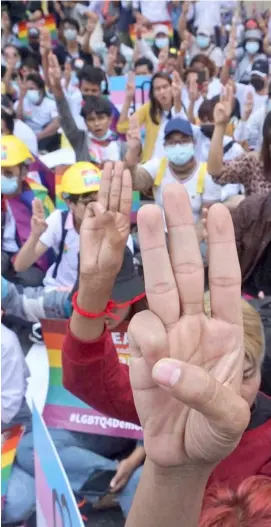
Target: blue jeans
<point x="78" y="462"/>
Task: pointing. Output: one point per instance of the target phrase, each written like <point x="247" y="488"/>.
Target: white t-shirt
<point x="213" y="52"/>
<point x="242" y="91"/>
<point x="24" y="132"/>
<point x="68" y="268"/>
<point x="9" y="236"/>
<point x="212" y="192"/>
<point x="37" y="116"/>
<point x="207" y="14"/>
<point x="153" y="11"/>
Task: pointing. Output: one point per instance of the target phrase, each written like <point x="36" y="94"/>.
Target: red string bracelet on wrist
<point x="108" y="310"/>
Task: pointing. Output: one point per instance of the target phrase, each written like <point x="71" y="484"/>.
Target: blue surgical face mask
<point x="70" y="34"/>
<point x="33" y="96"/>
<point x="161" y="42"/>
<point x="252" y="47"/>
<point x="9" y="185"/>
<point x="103" y="138"/>
<point x="203" y="41"/>
<point x="180" y="154"/>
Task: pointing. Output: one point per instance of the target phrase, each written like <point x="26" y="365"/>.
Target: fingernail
<point x="166" y="372"/>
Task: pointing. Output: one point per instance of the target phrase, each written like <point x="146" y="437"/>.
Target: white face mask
<point x="33" y="96"/>
<point x="161" y="42"/>
<point x="70" y="34"/>
<point x="252" y="47"/>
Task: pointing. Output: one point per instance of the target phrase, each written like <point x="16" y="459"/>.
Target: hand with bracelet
<point x="103" y="237"/>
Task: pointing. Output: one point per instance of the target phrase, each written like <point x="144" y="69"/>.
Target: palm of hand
<point x="172" y="429"/>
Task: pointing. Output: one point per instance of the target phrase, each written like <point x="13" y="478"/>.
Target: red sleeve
<point x="92" y="372"/>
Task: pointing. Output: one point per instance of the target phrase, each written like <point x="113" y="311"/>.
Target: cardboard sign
<point x="10" y="440"/>
<point x="64" y="410"/>
<point x="55" y="502"/>
<point x="47" y="21"/>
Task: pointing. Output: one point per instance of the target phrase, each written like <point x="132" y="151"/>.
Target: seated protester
<point x="59" y="232"/>
<point x="90" y="360"/>
<point x="179" y="165"/>
<point x="257" y="85"/>
<point x="37" y="110"/>
<point x="10" y="125"/>
<point x="127" y="294"/>
<point x="71" y="48"/>
<point x="143" y="66"/>
<point x="161" y="41"/>
<point x="17" y="191"/>
<point x="250" y="128"/>
<point x="98" y="144"/>
<point x="252" y="51"/>
<point x="18" y="504"/>
<point x="250" y="169"/>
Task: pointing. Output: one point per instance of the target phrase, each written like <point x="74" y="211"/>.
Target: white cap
<point x="161" y="28"/>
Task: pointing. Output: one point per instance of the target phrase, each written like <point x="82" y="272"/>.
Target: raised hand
<point x="223" y="109"/>
<point x="45" y="41"/>
<point x="193" y="90"/>
<point x="54" y="72"/>
<point x="130" y="86"/>
<point x="38" y="223"/>
<point x="186" y="368"/>
<point x="163" y="57"/>
<point x="23" y="87"/>
<point x="106" y="225"/>
<point x="133" y="142"/>
<point x="177" y="86"/>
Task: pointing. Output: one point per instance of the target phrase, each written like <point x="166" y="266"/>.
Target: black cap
<point x="260" y="67"/>
<point x="112" y="41"/>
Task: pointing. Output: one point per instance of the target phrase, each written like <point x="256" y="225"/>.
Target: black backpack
<point x="64" y="215"/>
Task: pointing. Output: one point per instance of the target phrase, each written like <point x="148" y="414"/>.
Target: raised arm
<point x="123" y="122"/>
<point x="33" y="249"/>
<point x="141" y="179"/>
<point x="88" y="351"/>
<point x="74" y="135"/>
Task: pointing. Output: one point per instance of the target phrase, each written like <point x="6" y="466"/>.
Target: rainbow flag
<point x="10" y="438"/>
<point x="64" y="410"/>
<point x="147" y="33"/>
<point x="47" y="21"/>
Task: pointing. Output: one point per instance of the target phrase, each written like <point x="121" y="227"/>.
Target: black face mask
<point x="118" y="70"/>
<point x="207" y="130"/>
<point x="257" y="83"/>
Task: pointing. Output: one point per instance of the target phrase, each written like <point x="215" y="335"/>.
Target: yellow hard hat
<point x="13" y="151"/>
<point x="81" y="178"/>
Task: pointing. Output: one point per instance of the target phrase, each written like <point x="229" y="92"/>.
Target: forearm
<point x="19" y="111"/>
<point x="215" y="158"/>
<point x="93" y="297"/>
<point x="225" y="73"/>
<point x="168" y="496"/>
<point x="137" y="457"/>
<point x="86" y="42"/>
<point x="125" y="111"/>
<point x="182" y="25"/>
<point x="177" y="104"/>
<point x="141" y="179"/>
<point x="45" y="66"/>
<point x="49" y="130"/>
<point x="190" y="112"/>
<point x="27" y="255"/>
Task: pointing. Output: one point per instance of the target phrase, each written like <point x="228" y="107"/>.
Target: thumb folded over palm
<point x="186" y="368"/>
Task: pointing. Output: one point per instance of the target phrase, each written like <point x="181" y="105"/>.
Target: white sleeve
<point x="12" y="375"/>
<point x="232" y="189"/>
<point x="235" y="151"/>
<point x="130" y="244"/>
<point x="212" y="191"/>
<point x="52" y="236"/>
<point x="53" y="110"/>
<point x="152" y="167"/>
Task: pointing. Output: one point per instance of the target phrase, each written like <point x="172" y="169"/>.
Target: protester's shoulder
<point x="152" y="166"/>
<point x="9" y="341"/>
<point x="54" y="219"/>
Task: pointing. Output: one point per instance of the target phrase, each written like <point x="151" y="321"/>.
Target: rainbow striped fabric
<point x="64" y="410"/>
<point x="47" y="21"/>
<point x="148" y="34"/>
<point x="10" y="438"/>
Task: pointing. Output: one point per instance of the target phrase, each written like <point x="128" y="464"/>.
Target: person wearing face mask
<point x="39" y="112"/>
<point x="18" y="189"/>
<point x="257" y="87"/>
<point x="253" y="50"/>
<point x="71" y="47"/>
<point x="179" y="165"/>
<point x="161" y="38"/>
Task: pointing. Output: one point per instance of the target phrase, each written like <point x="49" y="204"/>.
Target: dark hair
<point x="121" y="58"/>
<point x="144" y="61"/>
<point x="31" y="62"/>
<point x="96" y="104"/>
<point x="72" y="22"/>
<point x="208" y="63"/>
<point x="8" y="120"/>
<point x="74" y="198"/>
<point x="91" y="74"/>
<point x="187" y="71"/>
<point x="266" y="146"/>
<point x="206" y="109"/>
<point x="155" y="106"/>
<point x="36" y="78"/>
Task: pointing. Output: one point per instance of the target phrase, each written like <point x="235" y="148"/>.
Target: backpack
<point x="161" y="172"/>
<point x="64" y="215"/>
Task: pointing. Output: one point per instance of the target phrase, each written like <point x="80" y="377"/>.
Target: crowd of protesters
<point x="191" y="274"/>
